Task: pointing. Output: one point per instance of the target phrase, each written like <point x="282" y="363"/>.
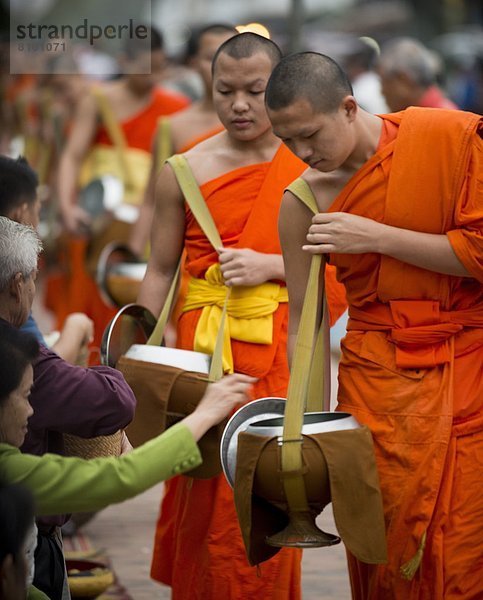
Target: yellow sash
<point x="249" y="312"/>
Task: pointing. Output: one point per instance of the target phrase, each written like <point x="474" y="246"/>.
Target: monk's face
<point x="325" y="141"/>
<point x="239" y="95"/>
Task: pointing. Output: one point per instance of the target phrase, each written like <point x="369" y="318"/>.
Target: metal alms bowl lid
<point x="117" y="259"/>
<point x="132" y="324"/>
<point x="189" y="360"/>
<point x="263" y="408"/>
<point x="314" y="422"/>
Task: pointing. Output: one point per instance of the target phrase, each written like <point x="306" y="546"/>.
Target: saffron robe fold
<point x="411" y="360"/>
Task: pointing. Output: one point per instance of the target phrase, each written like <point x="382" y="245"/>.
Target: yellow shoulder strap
<point x="197" y="204"/>
<point x="164" y="142"/>
<point x="194" y="198"/>
<point x="306" y="386"/>
<point x="316" y="399"/>
<point x="301" y="189"/>
<point x="115" y="132"/>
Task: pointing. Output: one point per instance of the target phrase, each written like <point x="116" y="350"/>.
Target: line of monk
<point x="400" y="223"/>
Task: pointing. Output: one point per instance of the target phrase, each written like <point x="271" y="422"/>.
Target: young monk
<point x="399" y="201"/>
<point x="241" y="173"/>
<point x="136" y="103"/>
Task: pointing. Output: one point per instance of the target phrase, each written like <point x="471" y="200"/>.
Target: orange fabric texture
<point x="198" y="547"/>
<point x="139" y="129"/>
<point x="411" y="360"/>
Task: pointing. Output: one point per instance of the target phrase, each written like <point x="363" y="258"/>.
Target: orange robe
<point x="78" y="292"/>
<point x="198" y="548"/>
<point x="411" y="366"/>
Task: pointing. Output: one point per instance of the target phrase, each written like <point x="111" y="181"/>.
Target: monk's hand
<point x="341" y="232"/>
<point x="76" y="219"/>
<point x="243" y="266"/>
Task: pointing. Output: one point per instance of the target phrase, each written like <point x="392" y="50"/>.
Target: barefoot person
<point x="399" y="201"/>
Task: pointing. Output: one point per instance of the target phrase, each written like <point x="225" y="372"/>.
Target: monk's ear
<point x="349" y="106"/>
<point x="15" y="287"/>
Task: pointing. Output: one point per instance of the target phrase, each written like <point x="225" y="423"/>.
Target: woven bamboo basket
<point x="102" y="445"/>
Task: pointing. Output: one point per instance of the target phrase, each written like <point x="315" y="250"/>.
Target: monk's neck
<point x="262" y="148"/>
<point x="368" y="132"/>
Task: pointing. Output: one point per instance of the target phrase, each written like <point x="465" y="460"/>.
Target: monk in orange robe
<point x="400" y="200"/>
<point x="136" y="103"/>
<point x="241" y="173"/>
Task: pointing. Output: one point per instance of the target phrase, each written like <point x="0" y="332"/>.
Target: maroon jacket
<point x="71" y="399"/>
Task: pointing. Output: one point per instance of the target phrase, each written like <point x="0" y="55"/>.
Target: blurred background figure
<point x="110" y="137"/>
<point x="360" y="66"/>
<point x="409" y="74"/>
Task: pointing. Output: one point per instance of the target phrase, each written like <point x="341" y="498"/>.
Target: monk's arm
<point x="346" y="233"/>
<point x="294" y="220"/>
<point x="167" y="240"/>
<point x="78" y="143"/>
<point x="139" y="234"/>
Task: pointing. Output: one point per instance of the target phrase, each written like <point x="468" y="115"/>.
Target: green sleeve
<point x="35" y="594"/>
<point x="63" y="485"/>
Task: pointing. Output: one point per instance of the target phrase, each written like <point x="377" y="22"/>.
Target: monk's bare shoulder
<point x="190" y="124"/>
<point x="211" y="158"/>
<point x="325" y="186"/>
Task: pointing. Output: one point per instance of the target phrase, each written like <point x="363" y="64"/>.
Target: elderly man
<point x="408" y="72"/>
<point x="399" y="203"/>
<point x="66" y="398"/>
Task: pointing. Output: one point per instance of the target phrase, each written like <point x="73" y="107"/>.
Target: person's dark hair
<point x="16" y="518"/>
<point x="311" y="76"/>
<point x="194" y="41"/>
<point x="135" y="46"/>
<point x="18" y="349"/>
<point x="245" y="45"/>
<point x="18" y="183"/>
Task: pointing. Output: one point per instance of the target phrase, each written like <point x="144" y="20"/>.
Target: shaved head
<point x="245" y="45"/>
<point x="307" y="76"/>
